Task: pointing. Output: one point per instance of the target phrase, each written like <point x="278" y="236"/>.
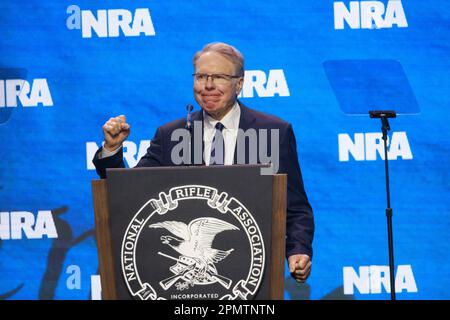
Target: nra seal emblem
<point x="193" y="242"/>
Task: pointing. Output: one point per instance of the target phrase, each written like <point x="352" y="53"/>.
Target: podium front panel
<point x="191" y="232"/>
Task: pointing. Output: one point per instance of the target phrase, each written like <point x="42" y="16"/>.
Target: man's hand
<point x="299" y="266"/>
<point x="115" y="131"/>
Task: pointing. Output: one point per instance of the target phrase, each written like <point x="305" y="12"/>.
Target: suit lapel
<point x="245" y="122"/>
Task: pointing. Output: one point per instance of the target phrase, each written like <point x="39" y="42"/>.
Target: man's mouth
<point x="211" y="98"/>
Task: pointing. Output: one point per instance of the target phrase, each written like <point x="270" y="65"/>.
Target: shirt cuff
<point x="105" y="153"/>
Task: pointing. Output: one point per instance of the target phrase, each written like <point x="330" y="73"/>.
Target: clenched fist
<point x="300" y="266"/>
<point x="115" y="131"/>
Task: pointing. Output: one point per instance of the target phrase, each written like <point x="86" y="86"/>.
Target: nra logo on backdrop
<point x="29" y="94"/>
<point x="376" y="280"/>
<point x="369" y="14"/>
<point x="132" y="152"/>
<point x="16" y="225"/>
<point x="264" y="84"/>
<point x="369" y="146"/>
<point x="110" y="23"/>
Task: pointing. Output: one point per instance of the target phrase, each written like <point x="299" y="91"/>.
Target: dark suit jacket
<point x="300" y="220"/>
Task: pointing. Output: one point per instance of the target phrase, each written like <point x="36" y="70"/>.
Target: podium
<point x="197" y="232"/>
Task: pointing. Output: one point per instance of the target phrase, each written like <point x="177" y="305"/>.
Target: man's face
<point x="216" y="98"/>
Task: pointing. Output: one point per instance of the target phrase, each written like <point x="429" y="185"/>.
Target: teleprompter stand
<point x="384" y="115"/>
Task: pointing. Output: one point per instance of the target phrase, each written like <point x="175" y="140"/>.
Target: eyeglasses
<point x="218" y="79"/>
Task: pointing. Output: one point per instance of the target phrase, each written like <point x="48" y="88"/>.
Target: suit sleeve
<point x="155" y="153"/>
<point x="300" y="219"/>
<point x="101" y="164"/>
<point x="153" y="157"/>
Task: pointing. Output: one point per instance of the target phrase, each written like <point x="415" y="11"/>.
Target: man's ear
<point x="239" y="85"/>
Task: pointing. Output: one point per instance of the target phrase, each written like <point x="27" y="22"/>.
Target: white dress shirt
<point x="231" y="123"/>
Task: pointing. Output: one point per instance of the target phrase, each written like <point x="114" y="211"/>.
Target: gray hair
<point x="227" y="51"/>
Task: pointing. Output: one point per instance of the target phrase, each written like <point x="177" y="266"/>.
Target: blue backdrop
<point x="67" y="67"/>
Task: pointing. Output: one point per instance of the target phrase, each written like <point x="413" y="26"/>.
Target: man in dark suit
<point x="218" y="79"/>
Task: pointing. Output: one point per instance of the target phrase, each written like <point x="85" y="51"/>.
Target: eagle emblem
<point x="196" y="263"/>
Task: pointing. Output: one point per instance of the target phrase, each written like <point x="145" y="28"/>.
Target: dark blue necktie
<point x="217" y="146"/>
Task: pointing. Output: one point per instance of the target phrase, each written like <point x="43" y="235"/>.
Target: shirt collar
<point x="230" y="120"/>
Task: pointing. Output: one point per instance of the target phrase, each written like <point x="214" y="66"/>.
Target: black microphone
<point x="188" y="126"/>
<point x="189" y="108"/>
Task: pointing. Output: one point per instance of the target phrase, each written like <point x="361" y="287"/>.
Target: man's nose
<point x="209" y="84"/>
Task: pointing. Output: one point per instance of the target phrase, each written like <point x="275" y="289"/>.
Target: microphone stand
<point x="384" y="115"/>
<point x="188" y="127"/>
